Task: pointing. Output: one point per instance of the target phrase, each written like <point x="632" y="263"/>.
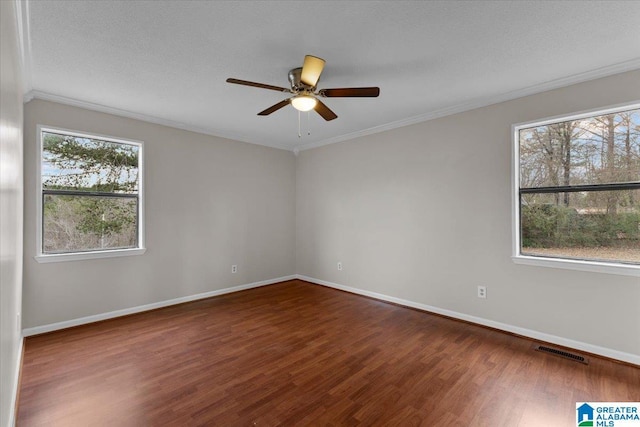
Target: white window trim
<point x="77" y="256"/>
<point x="564" y="263"/>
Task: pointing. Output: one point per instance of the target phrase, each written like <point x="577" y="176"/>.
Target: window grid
<point x="133" y="192"/>
<point x="589" y="188"/>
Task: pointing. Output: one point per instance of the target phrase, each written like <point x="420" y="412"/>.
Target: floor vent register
<point x="561" y="353"/>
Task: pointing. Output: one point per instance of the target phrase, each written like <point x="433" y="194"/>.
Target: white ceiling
<point x="167" y="61"/>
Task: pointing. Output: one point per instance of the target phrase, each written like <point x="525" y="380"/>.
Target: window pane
<point x="75" y="163"/>
<point x="595" y="150"/>
<point x="589" y="225"/>
<point x="83" y="223"/>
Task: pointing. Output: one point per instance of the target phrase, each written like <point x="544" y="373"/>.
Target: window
<point x="577" y="191"/>
<point x="90" y="201"/>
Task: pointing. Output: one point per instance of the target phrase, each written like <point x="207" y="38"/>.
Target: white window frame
<point x="77" y="256"/>
<point x="564" y="263"/>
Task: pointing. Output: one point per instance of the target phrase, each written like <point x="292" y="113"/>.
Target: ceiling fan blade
<point x="274" y="108"/>
<point x="324" y="111"/>
<point x="311" y="70"/>
<point x="254" y="84"/>
<point x="359" y="92"/>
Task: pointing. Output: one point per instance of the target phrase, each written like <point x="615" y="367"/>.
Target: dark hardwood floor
<point x="301" y="354"/>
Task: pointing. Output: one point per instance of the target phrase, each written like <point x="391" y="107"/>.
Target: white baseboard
<point x="541" y="336"/>
<point x="16" y="378"/>
<point x="578" y="345"/>
<point x="132" y="310"/>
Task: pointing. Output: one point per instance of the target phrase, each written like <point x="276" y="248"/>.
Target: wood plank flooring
<point x="297" y="354"/>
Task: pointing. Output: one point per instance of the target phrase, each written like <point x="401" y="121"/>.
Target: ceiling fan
<point x="305" y="94"/>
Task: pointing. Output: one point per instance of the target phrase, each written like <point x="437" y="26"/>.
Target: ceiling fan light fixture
<point x="304" y="102"/>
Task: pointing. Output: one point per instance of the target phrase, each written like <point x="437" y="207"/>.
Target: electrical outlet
<point x="339" y="266"/>
<point x="482" y="292"/>
<point x="234" y="268"/>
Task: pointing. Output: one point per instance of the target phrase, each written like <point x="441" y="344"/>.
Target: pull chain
<point x="299" y="125"/>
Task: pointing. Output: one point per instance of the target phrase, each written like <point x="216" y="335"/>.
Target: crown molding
<point x="45" y="96"/>
<point x="622" y="67"/>
<point x="455" y="109"/>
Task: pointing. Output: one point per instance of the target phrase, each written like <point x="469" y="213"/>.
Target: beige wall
<point x="423" y="213"/>
<point x="420" y="213"/>
<point x="10" y="209"/>
<point x="209" y="202"/>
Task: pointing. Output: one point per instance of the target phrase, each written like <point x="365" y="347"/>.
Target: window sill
<point x="574" y="264"/>
<point x="78" y="256"/>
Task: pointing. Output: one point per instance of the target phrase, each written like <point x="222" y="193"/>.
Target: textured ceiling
<point x="167" y="61"/>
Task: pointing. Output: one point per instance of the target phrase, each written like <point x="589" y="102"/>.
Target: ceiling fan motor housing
<point x="296" y="83"/>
